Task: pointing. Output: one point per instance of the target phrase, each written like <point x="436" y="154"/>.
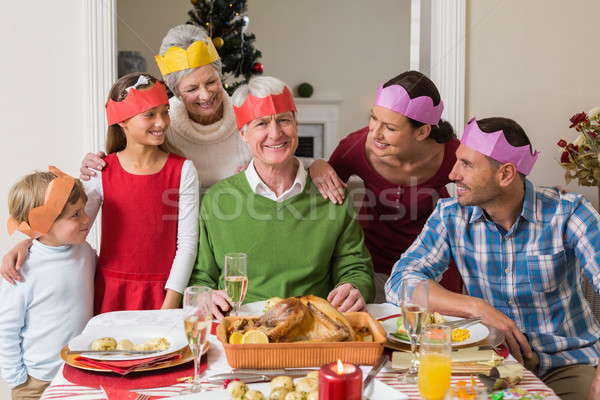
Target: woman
<point x="404" y="157"/>
<point x="203" y="127"/>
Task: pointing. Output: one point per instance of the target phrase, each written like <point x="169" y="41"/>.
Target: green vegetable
<point x="401" y="334"/>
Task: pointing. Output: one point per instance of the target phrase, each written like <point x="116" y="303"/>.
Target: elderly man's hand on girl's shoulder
<point x="347" y="298"/>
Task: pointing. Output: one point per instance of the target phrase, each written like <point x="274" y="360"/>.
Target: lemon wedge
<point x="236" y="338"/>
<point x="254" y="336"/>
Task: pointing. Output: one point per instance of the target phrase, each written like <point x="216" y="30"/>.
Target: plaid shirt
<point x="531" y="273"/>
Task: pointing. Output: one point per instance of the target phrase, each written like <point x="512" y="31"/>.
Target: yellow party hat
<point x="177" y="59"/>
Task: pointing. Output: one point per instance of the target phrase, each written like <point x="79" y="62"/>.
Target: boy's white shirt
<point x="40" y="314"/>
<point x="187" y="223"/>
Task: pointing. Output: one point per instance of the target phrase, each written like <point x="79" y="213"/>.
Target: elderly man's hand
<point x="12" y="261"/>
<point x="347" y="298"/>
<point x="221" y="305"/>
<point x="90" y="163"/>
<point x="515" y="339"/>
<point x="327" y="181"/>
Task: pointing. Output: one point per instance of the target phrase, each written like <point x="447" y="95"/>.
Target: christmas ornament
<point x="194" y="2"/>
<point x="305" y="90"/>
<point x="246" y="20"/>
<point x="257" y="67"/>
<point x="218" y="42"/>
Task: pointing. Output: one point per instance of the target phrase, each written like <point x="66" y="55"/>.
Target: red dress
<point x="139" y="236"/>
<point x="393" y="215"/>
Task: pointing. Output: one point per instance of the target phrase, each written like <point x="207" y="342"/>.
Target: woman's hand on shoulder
<point x="347" y="298"/>
<point x="327" y="181"/>
<point x="90" y="163"/>
<point x="12" y="261"/>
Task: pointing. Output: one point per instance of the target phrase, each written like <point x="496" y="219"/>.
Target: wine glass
<point x="434" y="361"/>
<point x="414" y="303"/>
<point x="197" y="320"/>
<point x="236" y="278"/>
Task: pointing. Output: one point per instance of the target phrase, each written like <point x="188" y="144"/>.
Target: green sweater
<point x="302" y="245"/>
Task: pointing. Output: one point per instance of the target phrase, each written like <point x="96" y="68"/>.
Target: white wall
<point x="535" y="61"/>
<point x="44" y="92"/>
<point x="343" y="48"/>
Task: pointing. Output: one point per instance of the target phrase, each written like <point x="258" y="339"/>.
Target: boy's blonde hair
<point x="30" y="192"/>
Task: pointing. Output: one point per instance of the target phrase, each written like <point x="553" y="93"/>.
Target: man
<point x="516" y="247"/>
<point x="297" y="242"/>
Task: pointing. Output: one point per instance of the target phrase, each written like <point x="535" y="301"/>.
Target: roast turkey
<point x="306" y="318"/>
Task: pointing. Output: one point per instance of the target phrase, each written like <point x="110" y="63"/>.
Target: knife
<point x="112" y="352"/>
<point x="252" y="376"/>
<point x="376" y="368"/>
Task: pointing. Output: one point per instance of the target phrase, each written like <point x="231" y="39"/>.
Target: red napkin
<point x="124" y="367"/>
<point x="137" y="380"/>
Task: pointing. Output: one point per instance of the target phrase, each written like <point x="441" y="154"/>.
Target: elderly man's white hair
<point x="183" y="36"/>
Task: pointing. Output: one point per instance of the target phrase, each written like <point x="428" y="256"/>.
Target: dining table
<point x="71" y="383"/>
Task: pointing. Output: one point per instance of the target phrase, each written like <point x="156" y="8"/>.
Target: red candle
<point x="340" y="381"/>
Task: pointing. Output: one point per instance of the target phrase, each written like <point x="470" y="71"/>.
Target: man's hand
<point x="346" y="298"/>
<point x="594" y="392"/>
<point x="90" y="163"/>
<point x="515" y="339"/>
<point x="12" y="261"/>
<point x="220" y="304"/>
<point x="327" y="181"/>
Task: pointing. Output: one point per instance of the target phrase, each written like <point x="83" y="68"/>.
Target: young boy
<point x="54" y="300"/>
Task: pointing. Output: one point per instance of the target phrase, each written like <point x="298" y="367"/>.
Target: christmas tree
<point x="226" y="24"/>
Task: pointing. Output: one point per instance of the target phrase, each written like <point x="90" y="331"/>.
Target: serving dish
<point x="304" y="354"/>
<point x="138" y="334"/>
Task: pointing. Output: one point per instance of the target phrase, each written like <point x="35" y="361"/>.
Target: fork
<point x="463" y="323"/>
<point x="143" y="396"/>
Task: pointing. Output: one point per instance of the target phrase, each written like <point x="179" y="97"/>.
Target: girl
<point x="149" y="201"/>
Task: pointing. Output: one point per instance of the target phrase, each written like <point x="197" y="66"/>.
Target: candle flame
<point x="340" y="367"/>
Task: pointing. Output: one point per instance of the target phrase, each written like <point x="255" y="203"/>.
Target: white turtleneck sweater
<point x="216" y="150"/>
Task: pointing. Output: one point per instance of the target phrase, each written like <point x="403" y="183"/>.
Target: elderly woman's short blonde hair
<point x="259" y="86"/>
<point x="183" y="36"/>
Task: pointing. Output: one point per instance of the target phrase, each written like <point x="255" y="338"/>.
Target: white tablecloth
<point x="217" y="362"/>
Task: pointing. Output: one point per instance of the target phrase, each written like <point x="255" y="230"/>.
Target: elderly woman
<point x="297" y="242"/>
<point x="404" y="157"/>
<point x="203" y="127"/>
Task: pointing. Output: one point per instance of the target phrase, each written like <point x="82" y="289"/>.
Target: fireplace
<point x="317" y="126"/>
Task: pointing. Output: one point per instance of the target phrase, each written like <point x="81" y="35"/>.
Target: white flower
<point x="580" y="140"/>
<point x="594" y="113"/>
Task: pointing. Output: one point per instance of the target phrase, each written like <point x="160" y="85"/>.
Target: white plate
<point x="377" y="390"/>
<point x="478" y="332"/>
<point x="138" y="334"/>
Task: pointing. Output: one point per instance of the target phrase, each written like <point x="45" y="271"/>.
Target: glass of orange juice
<point x="434" y="362"/>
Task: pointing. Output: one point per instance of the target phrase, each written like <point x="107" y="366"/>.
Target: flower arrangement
<point x="581" y="158"/>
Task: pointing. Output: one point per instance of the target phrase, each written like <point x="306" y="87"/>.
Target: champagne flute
<point x="197" y="319"/>
<point x="236" y="278"/>
<point x="414" y="303"/>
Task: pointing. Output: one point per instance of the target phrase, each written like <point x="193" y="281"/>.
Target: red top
<point x="393" y="215"/>
<point x="139" y="236"/>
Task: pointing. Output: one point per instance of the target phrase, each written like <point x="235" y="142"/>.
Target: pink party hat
<point x="421" y="108"/>
<point x="495" y="145"/>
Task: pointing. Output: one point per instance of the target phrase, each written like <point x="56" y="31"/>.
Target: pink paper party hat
<point x="495" y="145"/>
<point x="420" y="108"/>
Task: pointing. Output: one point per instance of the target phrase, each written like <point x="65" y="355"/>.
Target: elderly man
<point x="516" y="247"/>
<point x="297" y="242"/>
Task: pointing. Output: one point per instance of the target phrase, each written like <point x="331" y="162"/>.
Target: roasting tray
<point x="304" y="354"/>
